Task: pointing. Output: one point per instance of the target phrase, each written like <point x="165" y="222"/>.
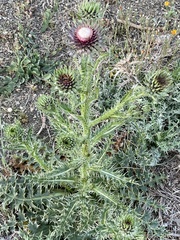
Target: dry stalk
<point x="140" y="27"/>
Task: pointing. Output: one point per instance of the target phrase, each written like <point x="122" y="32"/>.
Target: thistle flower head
<point x="65" y="79"/>
<point x="160" y="80"/>
<point x="84" y="37"/>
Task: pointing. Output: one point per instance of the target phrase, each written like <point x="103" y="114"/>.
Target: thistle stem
<point x="85" y="124"/>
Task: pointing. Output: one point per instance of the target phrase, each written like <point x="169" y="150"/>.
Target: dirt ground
<point x="21" y="102"/>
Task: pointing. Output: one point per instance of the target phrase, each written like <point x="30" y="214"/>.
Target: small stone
<point x="9" y="110"/>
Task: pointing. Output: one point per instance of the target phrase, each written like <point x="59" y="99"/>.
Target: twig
<point x="43" y="118"/>
<point x="174" y="234"/>
<point x="140" y="27"/>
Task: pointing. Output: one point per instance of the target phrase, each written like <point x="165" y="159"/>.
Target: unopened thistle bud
<point x="66" y="142"/>
<point x="130" y="228"/>
<point x="13" y="132"/>
<point x="160" y="80"/>
<point x="45" y="103"/>
<point x="65" y="79"/>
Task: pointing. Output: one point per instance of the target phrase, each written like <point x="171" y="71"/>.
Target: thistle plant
<point x="72" y="198"/>
<point x="76" y="190"/>
<point x="89" y="10"/>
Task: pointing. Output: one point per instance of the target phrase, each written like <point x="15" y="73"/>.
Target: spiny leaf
<point x="114" y="175"/>
<point x="105" y="195"/>
<point x="131" y="96"/>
